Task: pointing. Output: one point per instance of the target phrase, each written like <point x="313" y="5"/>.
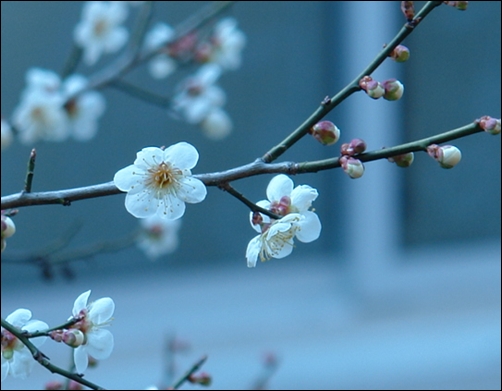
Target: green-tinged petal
<point x="80" y="358"/>
<point x="252" y="251"/>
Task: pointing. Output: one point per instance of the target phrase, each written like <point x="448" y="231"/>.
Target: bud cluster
<point x="390" y="89"/>
<point x="353" y="167"/>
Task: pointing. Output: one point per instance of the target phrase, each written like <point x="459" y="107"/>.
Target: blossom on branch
<point x="226" y="45"/>
<point x="17" y="359"/>
<point x="160" y="181"/>
<point x="161" y="65"/>
<point x="100" y="31"/>
<point x="276" y="236"/>
<point x="97" y="341"/>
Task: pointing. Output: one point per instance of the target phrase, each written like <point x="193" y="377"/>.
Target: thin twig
<point x="30" y="171"/>
<point x="188" y="373"/>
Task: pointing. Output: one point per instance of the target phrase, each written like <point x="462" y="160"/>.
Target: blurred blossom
<point x="8" y="229"/>
<point x="160" y="181"/>
<point x="227" y="44"/>
<point x="98" y="341"/>
<point x="40" y="116"/>
<point x="17" y="359"/>
<point x="159" y="236"/>
<point x="217" y="125"/>
<point x="198" y="95"/>
<point x="7" y="135"/>
<point x="84" y="109"/>
<point x="161" y="65"/>
<point x="100" y="31"/>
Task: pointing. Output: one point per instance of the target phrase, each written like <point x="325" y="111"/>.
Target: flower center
<point x="100" y="27"/>
<point x="162" y="175"/>
<point x="9" y="343"/>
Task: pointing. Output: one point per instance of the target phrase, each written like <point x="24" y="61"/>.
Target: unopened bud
<point x="372" y="87"/>
<point x="460" y="5"/>
<point x="74" y="338"/>
<point x="54" y="385"/>
<point x="393" y="89"/>
<point x="408" y="9"/>
<point x="8" y="227"/>
<point x="203" y="378"/>
<point x="354" y="168"/>
<point x="400" y="53"/>
<point x="355" y="147"/>
<point x="448" y="156"/>
<point x="404" y="160"/>
<point x="325" y="132"/>
<point x="489" y="124"/>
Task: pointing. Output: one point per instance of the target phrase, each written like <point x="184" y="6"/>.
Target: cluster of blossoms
<point x="86" y="335"/>
<point x="275" y="238"/>
<point x="198" y="99"/>
<point x="53" y="110"/>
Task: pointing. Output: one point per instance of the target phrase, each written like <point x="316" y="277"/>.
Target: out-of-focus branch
<point x="258" y="167"/>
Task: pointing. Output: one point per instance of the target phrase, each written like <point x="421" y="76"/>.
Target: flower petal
<point x="148" y="157"/>
<point x="81" y="303"/>
<point x="142" y="204"/>
<point x="302" y="197"/>
<point x="252" y="251"/>
<point x="191" y="190"/>
<point x="170" y="207"/>
<point x="280" y="185"/>
<point x="80" y="358"/>
<point x="285" y="250"/>
<point x="101" y="310"/>
<point x="19" y="317"/>
<point x="22" y="363"/>
<point x="100" y="343"/>
<point x="182" y="155"/>
<point x="129" y="178"/>
<point x="310" y="228"/>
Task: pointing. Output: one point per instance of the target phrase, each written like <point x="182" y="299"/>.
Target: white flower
<point x="16" y="357"/>
<point x="199" y="95"/>
<point x="98" y="342"/>
<point x="99" y="31"/>
<point x="160" y="181"/>
<point x="40" y="115"/>
<point x="7" y="135"/>
<point x="277" y="240"/>
<point x="162" y="65"/>
<point x="228" y="43"/>
<point x="42" y="79"/>
<point x="276" y="236"/>
<point x="84" y="109"/>
<point x="158" y="236"/>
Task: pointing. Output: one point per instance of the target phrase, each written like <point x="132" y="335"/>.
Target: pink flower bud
<point x="325" y="132"/>
<point x="448" y="156"/>
<point x="202" y="378"/>
<point x="354" y="168"/>
<point x="74" y="338"/>
<point x="404" y="160"/>
<point x="372" y="87"/>
<point x="400" y="53"/>
<point x="489" y="124"/>
<point x="356" y="146"/>
<point x="393" y="89"/>
<point x="8" y="227"/>
<point x="408" y="9"/>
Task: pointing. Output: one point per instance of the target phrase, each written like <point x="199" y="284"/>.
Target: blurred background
<point x="403" y="288"/>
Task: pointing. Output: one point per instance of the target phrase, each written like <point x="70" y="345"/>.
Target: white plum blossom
<point x="158" y="236"/>
<point x="228" y="42"/>
<point x="100" y="29"/>
<point x="84" y="109"/>
<point x="17" y="359"/>
<point x="198" y="95"/>
<point x="97" y="341"/>
<point x="161" y="65"/>
<point x="297" y="220"/>
<point x="160" y="181"/>
<point x="40" y="116"/>
<point x="276" y="241"/>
